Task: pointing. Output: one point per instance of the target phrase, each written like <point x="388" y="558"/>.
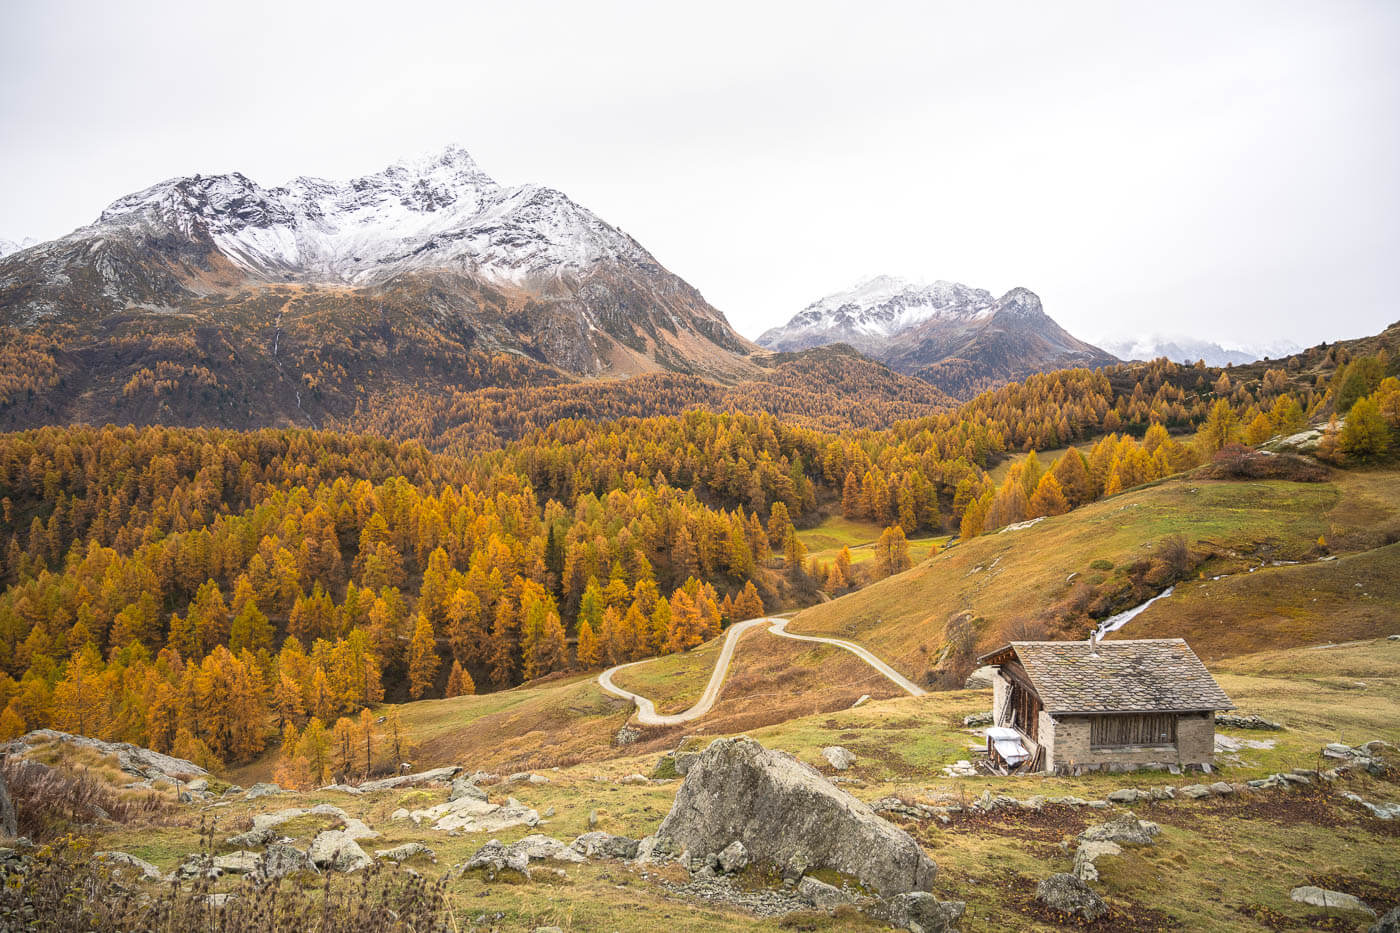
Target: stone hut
<point x="1089" y="705"/>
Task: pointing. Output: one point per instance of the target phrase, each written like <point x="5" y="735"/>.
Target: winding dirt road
<point x="646" y="709"/>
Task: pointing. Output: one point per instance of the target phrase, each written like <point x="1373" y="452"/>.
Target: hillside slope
<point x="1055" y="578"/>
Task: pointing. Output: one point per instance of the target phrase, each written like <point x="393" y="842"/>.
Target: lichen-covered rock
<point x="333" y="850"/>
<point x="1069" y="895"/>
<point x="598" y="844"/>
<point x="1333" y="900"/>
<point x="1087" y="855"/>
<point x="470" y="815"/>
<point x="405" y="852"/>
<point x="733" y="858"/>
<point x="785" y="813"/>
<point x="1126" y="830"/>
<point x="921" y="912"/>
<point x="122" y="863"/>
<point x="261" y="789"/>
<point x="433" y="776"/>
<point x="838" y="757"/>
<point x="132" y="759"/>
<point x="280" y="860"/>
<point x="821" y="895"/>
<point x="494" y="857"/>
<point x="241" y="862"/>
<point x="464" y="787"/>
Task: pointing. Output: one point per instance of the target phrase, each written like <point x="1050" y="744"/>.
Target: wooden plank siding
<point x="1116" y="731"/>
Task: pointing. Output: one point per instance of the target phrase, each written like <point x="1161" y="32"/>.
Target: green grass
<point x="826" y="540"/>
<point x="674" y="682"/>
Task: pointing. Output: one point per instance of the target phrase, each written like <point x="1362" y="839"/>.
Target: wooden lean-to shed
<point x="1077" y="706"/>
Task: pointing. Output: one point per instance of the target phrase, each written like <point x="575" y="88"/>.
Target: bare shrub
<point x="52" y="801"/>
<point x="1236" y="461"/>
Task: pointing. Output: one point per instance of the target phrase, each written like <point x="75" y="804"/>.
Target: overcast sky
<point x="1225" y="170"/>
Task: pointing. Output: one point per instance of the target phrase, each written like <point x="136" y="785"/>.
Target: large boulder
<point x="785" y="813"/>
<point x="1088" y="854"/>
<point x="838" y="757"/>
<point x="921" y="912"/>
<point x="434" y="776"/>
<point x="333" y="850"/>
<point x="469" y="815"/>
<point x="495" y="857"/>
<point x="1068" y="895"/>
<point x="1390" y="923"/>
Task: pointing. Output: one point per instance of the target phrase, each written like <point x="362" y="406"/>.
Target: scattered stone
<point x="1221" y="789"/>
<point x="433" y="776"/>
<point x="921" y="912"/>
<point x="405" y="852"/>
<point x="1245" y="721"/>
<point x="549" y="812"/>
<point x="821" y="895"/>
<point x="1126" y="795"/>
<point x="1087" y="854"/>
<point x="1381" y="811"/>
<point x="1194" y="791"/>
<point x="977" y="720"/>
<point x="862" y="700"/>
<point x="592" y="818"/>
<point x="468" y="814"/>
<point x="357" y="829"/>
<point x="272" y="820"/>
<point x="627" y="735"/>
<point x="781" y="808"/>
<point x="1164" y="793"/>
<point x="261" y="789"/>
<point x="734" y="858"/>
<point x="838" y="757"/>
<point x="1126" y="830"/>
<point x="120" y="861"/>
<point x="1068" y="895"/>
<point x="241" y="862"/>
<point x="635" y="779"/>
<point x="220" y="900"/>
<point x="333" y="850"/>
<point x="597" y="844"/>
<point x="960" y="768"/>
<point x="1334" y="900"/>
<point x="280" y="860"/>
<point x="198" y="785"/>
<point x="493" y="858"/>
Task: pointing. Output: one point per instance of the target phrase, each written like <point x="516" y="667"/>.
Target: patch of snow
<point x="1114" y="622"/>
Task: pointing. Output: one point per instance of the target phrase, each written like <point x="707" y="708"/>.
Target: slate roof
<point x="1141" y="676"/>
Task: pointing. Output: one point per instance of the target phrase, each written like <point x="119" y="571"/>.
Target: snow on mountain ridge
<point x="429" y="211"/>
<point x="1182" y="349"/>
<point x="886" y="305"/>
<point x="14" y="246"/>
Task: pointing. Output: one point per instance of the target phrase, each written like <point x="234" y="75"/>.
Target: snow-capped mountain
<point x="959" y="338"/>
<point x="519" y="269"/>
<point x="876" y="310"/>
<point x="14" y="246"/>
<point x="1189" y="350"/>
<point x="430" y="212"/>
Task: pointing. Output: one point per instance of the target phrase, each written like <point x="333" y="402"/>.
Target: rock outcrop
<point x="495" y="857"/>
<point x="433" y="776"/>
<point x="921" y="912"/>
<point x="787" y="815"/>
<point x="471" y="815"/>
<point x="1332" y="900"/>
<point x="279" y="860"/>
<point x="598" y="844"/>
<point x="132" y="759"/>
<point x="1068" y="895"/>
<point x="122" y="863"/>
<point x="333" y="850"/>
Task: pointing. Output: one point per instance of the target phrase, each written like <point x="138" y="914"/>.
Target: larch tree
<point x="423" y="660"/>
<point x="367" y="733"/>
<point x="587" y="645"/>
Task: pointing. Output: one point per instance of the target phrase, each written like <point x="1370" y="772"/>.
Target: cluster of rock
<point x="1245" y="721"/>
<point x="1069" y="893"/>
<point x="1370" y="756"/>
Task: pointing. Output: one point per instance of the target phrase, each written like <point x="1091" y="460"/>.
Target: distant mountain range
<point x="960" y="339"/>
<point x="1189" y="350"/>
<point x="514" y="269"/>
<point x="14" y="246"/>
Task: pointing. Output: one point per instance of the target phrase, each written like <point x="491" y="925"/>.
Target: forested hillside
<point x="194" y="589"/>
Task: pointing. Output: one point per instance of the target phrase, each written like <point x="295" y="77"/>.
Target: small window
<point x="1132" y="729"/>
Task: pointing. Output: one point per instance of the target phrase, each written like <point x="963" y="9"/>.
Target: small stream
<point x="1114" y="622"/>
